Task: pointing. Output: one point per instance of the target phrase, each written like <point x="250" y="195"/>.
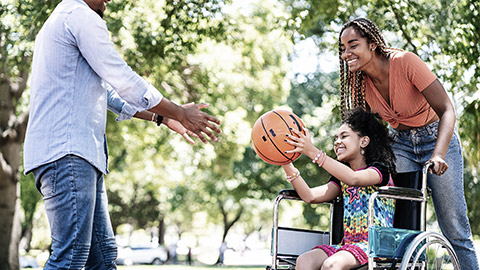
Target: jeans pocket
<point x="46" y="180"/>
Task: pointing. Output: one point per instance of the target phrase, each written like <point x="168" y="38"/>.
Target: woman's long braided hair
<point x="353" y="84"/>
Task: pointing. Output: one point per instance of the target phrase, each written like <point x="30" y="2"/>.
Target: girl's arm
<point x="437" y="98"/>
<point x="342" y="172"/>
<point x="323" y="193"/>
<point x="339" y="170"/>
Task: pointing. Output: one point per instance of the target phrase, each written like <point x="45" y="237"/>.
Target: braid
<point x="353" y="85"/>
<point x="343" y="106"/>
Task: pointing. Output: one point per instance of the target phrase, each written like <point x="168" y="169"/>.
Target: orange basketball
<point x="268" y="136"/>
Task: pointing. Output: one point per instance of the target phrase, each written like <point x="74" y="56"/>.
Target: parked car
<point x="142" y="255"/>
<point x="28" y="262"/>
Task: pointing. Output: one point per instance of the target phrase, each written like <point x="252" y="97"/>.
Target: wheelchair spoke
<point x="430" y="251"/>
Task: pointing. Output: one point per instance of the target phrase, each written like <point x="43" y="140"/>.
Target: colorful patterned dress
<point x="355" y="216"/>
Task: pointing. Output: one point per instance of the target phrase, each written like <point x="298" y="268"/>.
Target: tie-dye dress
<point x="355" y="216"/>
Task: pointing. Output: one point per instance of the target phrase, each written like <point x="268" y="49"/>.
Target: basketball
<point x="268" y="136"/>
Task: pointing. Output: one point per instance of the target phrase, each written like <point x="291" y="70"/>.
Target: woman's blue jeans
<point x="413" y="148"/>
<point x="77" y="209"/>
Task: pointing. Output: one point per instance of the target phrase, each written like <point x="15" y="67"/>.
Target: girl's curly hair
<point x="370" y="124"/>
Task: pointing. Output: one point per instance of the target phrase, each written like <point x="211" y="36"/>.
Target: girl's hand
<point x="303" y="143"/>
<point x="439" y="165"/>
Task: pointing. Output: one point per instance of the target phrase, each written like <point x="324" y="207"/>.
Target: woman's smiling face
<point x="355" y="49"/>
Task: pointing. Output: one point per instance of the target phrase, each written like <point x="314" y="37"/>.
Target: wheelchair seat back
<point x="407" y="213"/>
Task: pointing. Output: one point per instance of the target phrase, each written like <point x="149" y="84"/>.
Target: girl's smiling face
<point x="348" y="144"/>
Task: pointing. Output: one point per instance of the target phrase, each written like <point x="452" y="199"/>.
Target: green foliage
<point x="239" y="68"/>
<point x="469" y="127"/>
<point x="472" y="197"/>
<point x="30" y="199"/>
<point x="234" y="55"/>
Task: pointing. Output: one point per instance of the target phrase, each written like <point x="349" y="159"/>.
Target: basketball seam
<point x="273" y="143"/>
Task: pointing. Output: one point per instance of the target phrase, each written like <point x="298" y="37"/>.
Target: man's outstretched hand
<point x="200" y="123"/>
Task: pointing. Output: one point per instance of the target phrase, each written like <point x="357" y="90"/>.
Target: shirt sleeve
<point x="417" y="71"/>
<point x="93" y="40"/>
<point x="336" y="182"/>
<point x="118" y="105"/>
<point x="383" y="171"/>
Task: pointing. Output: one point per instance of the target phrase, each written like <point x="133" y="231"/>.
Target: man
<point x="65" y="145"/>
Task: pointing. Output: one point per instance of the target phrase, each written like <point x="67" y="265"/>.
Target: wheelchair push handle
<point x="425" y="171"/>
<point x="427" y="166"/>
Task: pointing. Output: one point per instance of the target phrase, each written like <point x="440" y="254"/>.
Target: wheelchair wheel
<point x="430" y="250"/>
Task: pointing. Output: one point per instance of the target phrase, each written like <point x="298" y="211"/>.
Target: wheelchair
<point x="408" y="245"/>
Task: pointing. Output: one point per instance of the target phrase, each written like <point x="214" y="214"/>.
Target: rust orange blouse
<point x="409" y="76"/>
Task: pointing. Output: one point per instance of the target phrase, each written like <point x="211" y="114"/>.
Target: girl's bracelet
<point x="320" y="164"/>
<point x="290" y="178"/>
<point x="317" y="157"/>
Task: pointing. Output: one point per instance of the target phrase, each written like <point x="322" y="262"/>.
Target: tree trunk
<point x="12" y="132"/>
<point x="27" y="235"/>
<point x="227" y="225"/>
<point x="161" y="231"/>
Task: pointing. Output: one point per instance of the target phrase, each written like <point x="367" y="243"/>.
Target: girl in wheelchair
<point x="365" y="161"/>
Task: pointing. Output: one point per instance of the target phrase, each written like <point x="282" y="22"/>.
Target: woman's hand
<point x="439" y="165"/>
<point x="302" y="142"/>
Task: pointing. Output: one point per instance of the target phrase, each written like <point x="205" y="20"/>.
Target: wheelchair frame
<point x="411" y="254"/>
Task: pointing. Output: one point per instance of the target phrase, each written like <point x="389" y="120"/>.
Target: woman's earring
<point x="362" y="152"/>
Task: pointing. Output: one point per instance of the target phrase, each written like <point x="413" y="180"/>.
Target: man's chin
<point x="99" y="12"/>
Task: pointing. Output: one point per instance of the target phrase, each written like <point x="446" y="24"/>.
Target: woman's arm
<point x="437" y="97"/>
<point x="323" y="193"/>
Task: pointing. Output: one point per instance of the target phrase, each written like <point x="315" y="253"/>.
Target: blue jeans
<point x="76" y="204"/>
<point x="413" y="148"/>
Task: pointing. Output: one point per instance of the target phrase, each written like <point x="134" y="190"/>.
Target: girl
<point x="399" y="86"/>
<point x="365" y="162"/>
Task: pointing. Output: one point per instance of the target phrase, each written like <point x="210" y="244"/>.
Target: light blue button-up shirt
<point x="68" y="105"/>
<point x="118" y="105"/>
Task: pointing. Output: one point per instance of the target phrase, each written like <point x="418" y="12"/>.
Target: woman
<point x="399" y="86"/>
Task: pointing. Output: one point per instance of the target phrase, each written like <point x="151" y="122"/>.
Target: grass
<point x="185" y="267"/>
<point x="188" y="267"/>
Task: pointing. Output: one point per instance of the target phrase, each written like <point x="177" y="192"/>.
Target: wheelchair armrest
<point x="291" y="193"/>
<point x="401" y="192"/>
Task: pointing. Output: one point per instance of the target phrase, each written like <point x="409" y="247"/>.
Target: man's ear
<point x="364" y="141"/>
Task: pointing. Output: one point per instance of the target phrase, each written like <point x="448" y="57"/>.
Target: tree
<point x="20" y="21"/>
<point x="228" y="73"/>
<point x="30" y="197"/>
<point x="19" y="24"/>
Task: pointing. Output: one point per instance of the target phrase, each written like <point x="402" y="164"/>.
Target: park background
<point x="244" y="58"/>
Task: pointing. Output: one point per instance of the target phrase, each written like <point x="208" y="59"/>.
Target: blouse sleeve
<point x="336" y="182"/>
<point x="417" y="71"/>
<point x="383" y="171"/>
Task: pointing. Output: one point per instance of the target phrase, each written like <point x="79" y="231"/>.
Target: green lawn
<point x="185" y="267"/>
